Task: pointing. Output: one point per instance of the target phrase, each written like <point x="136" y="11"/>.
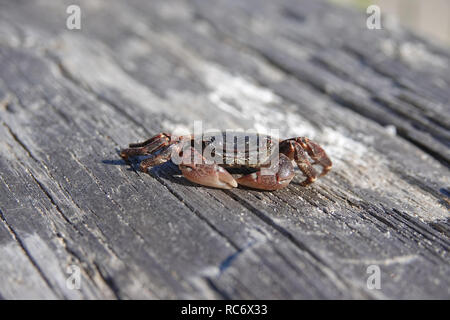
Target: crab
<point x="210" y="171"/>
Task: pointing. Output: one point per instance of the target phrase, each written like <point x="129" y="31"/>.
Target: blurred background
<point x="429" y="18"/>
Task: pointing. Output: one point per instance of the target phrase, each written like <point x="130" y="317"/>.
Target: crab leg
<point x="147" y="147"/>
<point x="316" y="153"/>
<point x="159" y="158"/>
<point x="210" y="175"/>
<point x="146" y="142"/>
<point x="305" y="166"/>
<point x="294" y="151"/>
<point x="275" y="181"/>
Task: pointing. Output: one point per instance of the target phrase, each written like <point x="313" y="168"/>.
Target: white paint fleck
<point x="391" y="130"/>
<point x="244" y="99"/>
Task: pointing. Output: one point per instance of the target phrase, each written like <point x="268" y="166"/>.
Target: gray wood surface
<point x="378" y="101"/>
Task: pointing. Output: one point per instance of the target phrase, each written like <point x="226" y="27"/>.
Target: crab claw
<point x="270" y="181"/>
<point x="210" y="175"/>
<point x="258" y="181"/>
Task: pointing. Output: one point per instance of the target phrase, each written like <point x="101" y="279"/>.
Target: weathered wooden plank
<point x="71" y="99"/>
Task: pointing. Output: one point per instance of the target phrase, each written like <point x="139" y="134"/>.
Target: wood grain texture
<point x="377" y="101"/>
